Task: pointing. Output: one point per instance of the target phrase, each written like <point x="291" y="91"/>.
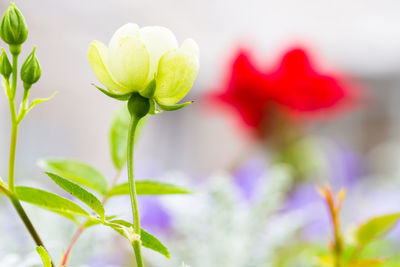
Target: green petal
<point x="97" y="55"/>
<point x="177" y="71"/>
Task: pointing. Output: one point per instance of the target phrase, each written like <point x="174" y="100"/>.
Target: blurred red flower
<point x="294" y="89"/>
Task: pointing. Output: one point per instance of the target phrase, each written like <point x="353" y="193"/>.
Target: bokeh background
<point x="202" y="146"/>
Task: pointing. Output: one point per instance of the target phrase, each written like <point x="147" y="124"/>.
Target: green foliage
<point x="44" y="255"/>
<point x="76" y="171"/>
<point x="376" y="227"/>
<point x="119" y="136"/>
<point x="48" y="201"/>
<point x="79" y="192"/>
<point x="148" y="240"/>
<point x="148" y="188"/>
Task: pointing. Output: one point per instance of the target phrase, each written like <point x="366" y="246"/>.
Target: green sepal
<point x="173" y="107"/>
<point x="115" y="96"/>
<point x="153" y="108"/>
<point x="148" y="92"/>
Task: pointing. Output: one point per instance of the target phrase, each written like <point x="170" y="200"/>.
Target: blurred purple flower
<point x="154" y="216"/>
<point x="345" y="166"/>
<point x="248" y="175"/>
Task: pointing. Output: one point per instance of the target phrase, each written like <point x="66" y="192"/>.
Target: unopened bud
<point x="30" y="70"/>
<point x="5" y="65"/>
<point x="13" y="28"/>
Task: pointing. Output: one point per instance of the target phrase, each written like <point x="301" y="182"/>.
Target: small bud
<point x="13" y="28"/>
<point x="138" y="106"/>
<point x="30" y="70"/>
<point x="5" y="65"/>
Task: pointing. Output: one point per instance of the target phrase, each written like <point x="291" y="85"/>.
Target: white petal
<point x="176" y="73"/>
<point x="98" y="57"/>
<point x="158" y="41"/>
<point x="127" y="30"/>
<point x="190" y="46"/>
<point x="129" y="63"/>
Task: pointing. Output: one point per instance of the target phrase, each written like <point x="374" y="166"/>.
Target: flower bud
<point x="30" y="70"/>
<point x="138" y="106"/>
<point x="13" y="29"/>
<point x="5" y="65"/>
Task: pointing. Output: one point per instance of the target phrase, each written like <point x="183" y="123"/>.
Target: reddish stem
<point x="81" y="228"/>
<point x="71" y="244"/>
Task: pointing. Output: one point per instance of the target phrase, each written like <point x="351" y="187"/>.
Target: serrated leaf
<point x="80" y="193"/>
<point x="146" y="187"/>
<point x="173" y="107"/>
<point x="48" y="200"/>
<point x="148" y="240"/>
<point x="119" y="136"/>
<point x="115" y="96"/>
<point x="376" y="227"/>
<point x="44" y="255"/>
<point x="76" y="171"/>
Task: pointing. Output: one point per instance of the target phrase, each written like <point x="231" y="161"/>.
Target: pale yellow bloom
<point x="135" y="56"/>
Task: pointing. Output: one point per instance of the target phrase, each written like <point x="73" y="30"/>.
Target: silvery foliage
<point x="217" y="227"/>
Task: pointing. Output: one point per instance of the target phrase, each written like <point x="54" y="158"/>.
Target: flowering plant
<point x="143" y="66"/>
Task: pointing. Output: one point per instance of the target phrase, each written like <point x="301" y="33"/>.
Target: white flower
<point x="135" y="56"/>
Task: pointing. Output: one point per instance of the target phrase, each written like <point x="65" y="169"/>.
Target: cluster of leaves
<point x="351" y="254"/>
<point x="85" y="184"/>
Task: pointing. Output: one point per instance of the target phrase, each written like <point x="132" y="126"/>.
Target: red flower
<point x="295" y="87"/>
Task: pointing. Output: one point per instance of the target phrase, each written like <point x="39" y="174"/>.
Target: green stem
<point x="132" y="190"/>
<point x="11" y="164"/>
<point x="14" y="74"/>
<point x="28" y="224"/>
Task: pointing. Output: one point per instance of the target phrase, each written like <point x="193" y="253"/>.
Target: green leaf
<point x="173" y="107"/>
<point x="115" y="96"/>
<point x="44" y="255"/>
<point x="34" y="103"/>
<point x="79" y="192"/>
<point x="376" y="227"/>
<point x="119" y="136"/>
<point x="76" y="171"/>
<point x="48" y="200"/>
<point x="151" y="242"/>
<point x="37" y="101"/>
<point x="146" y="187"/>
<point x="148" y="240"/>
